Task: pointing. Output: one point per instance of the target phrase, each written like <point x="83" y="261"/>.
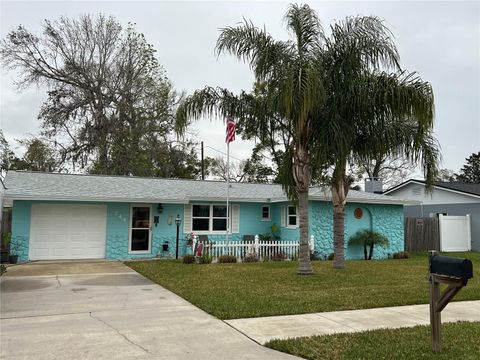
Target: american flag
<point x="230" y="135"/>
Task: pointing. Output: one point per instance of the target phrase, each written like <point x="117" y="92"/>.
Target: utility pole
<point x="203" y="163"/>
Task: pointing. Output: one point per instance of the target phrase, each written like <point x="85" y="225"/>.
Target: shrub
<point x="331" y="256"/>
<point x="189" y="259"/>
<point x="3" y="269"/>
<point x="401" y="255"/>
<point x="225" y="259"/>
<point x="279" y="256"/>
<point x="205" y="259"/>
<point x="250" y="258"/>
<point x="368" y="238"/>
<point x="315" y="256"/>
<point x="265" y="237"/>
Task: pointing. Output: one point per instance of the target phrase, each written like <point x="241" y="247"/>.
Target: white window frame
<point x="210" y="230"/>
<point x="287" y="215"/>
<point x="130" y="228"/>
<point x="269" y="213"/>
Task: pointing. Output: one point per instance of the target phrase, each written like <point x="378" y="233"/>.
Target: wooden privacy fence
<point x="263" y="249"/>
<point x="422" y="234"/>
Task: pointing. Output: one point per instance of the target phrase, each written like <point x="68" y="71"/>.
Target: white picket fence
<point x="262" y="249"/>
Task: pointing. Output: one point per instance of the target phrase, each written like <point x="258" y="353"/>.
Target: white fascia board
<point x="371" y="201"/>
<point x="402" y="185"/>
<point x="436" y="187"/>
<point x="94" y="199"/>
<point x="224" y="199"/>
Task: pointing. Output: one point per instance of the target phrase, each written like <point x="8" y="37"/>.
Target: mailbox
<point x="454" y="272"/>
<point x="451" y="266"/>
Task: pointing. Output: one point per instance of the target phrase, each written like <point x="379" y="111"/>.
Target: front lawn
<point x="231" y="291"/>
<point x="460" y="341"/>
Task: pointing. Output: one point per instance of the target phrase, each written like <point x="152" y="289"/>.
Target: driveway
<point x="104" y="310"/>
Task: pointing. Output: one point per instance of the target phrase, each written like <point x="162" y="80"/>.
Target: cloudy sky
<point x="440" y="40"/>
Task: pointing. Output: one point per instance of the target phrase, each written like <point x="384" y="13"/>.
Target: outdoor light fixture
<point x="177" y="222"/>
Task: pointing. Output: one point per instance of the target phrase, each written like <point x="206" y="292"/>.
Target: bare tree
<point x="393" y="170"/>
<point x="106" y="90"/>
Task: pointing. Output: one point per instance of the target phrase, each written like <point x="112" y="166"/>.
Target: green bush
<point x="368" y="238"/>
<point x="331" y="256"/>
<point x="250" y="258"/>
<point x="401" y="255"/>
<point x="3" y="269"/>
<point x="279" y="256"/>
<point x="205" y="259"/>
<point x="265" y="237"/>
<point x="189" y="259"/>
<point x="224" y="259"/>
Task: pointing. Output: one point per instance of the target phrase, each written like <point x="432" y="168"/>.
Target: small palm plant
<point x="368" y="238"/>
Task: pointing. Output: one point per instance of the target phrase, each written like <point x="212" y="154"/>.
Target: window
<point x="209" y="218"/>
<point x="291" y="216"/>
<point x="266" y="213"/>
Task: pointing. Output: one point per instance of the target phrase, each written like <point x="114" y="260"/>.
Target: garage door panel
<point x="61" y="231"/>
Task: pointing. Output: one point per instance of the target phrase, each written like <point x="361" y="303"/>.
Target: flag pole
<point x="228" y="188"/>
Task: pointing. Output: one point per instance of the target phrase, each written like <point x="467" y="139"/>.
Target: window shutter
<point x="235" y="219"/>
<point x="283" y="216"/>
<point x="187" y="218"/>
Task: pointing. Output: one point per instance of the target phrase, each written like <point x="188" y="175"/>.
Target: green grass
<point x="460" y="341"/>
<point x="230" y="291"/>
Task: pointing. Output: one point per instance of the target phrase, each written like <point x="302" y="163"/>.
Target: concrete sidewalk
<point x="265" y="329"/>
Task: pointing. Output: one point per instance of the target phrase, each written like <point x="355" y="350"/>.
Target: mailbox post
<point x="454" y="272"/>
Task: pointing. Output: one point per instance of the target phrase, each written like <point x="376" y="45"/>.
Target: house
<point x="64" y="216"/>
<point x="446" y="198"/>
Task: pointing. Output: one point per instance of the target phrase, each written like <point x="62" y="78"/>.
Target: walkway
<point x="281" y="327"/>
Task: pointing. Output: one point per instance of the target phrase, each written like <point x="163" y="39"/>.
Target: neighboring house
<point x="446" y="198"/>
<point x="62" y="216"/>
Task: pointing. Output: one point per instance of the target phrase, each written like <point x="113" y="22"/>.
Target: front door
<point x="140" y="229"/>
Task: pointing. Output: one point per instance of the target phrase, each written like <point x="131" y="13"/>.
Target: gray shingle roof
<point x="49" y="186"/>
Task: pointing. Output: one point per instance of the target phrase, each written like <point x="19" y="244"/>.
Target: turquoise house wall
<point x="386" y="219"/>
<point x="21" y="212"/>
<point x="118" y="227"/>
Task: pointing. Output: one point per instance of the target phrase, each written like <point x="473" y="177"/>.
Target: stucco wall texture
<point x="386" y="219"/>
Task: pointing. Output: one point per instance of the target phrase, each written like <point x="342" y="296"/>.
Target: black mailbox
<point x="451" y="266"/>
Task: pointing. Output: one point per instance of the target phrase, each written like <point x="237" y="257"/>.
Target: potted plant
<point x="5" y="247"/>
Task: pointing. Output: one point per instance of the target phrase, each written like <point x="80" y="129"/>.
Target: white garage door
<point x="60" y="231"/>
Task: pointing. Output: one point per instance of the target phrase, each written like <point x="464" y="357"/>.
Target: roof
<point x="21" y="185"/>
<point x="456" y="186"/>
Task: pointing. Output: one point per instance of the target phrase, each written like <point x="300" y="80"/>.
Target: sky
<point x="439" y="40"/>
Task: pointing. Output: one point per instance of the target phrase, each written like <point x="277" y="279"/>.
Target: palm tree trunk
<point x="339" y="190"/>
<point x="371" y="252"/>
<point x="365" y="251"/>
<point x="305" y="264"/>
<point x="302" y="177"/>
<point x="338" y="235"/>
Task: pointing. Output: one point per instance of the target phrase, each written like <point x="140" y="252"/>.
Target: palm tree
<point x="370" y="112"/>
<point x="288" y="104"/>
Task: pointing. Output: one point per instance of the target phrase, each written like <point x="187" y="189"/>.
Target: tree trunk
<point x="302" y="177"/>
<point x="339" y="190"/>
<point x="305" y="264"/>
<point x="371" y="252"/>
<point x="365" y="251"/>
<point x="338" y="235"/>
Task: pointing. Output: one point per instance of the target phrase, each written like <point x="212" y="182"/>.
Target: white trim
<point x="210" y="221"/>
<point x="288" y="226"/>
<point x="94" y="199"/>
<point x="269" y="213"/>
<point x="149" y="251"/>
<point x="434" y="186"/>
